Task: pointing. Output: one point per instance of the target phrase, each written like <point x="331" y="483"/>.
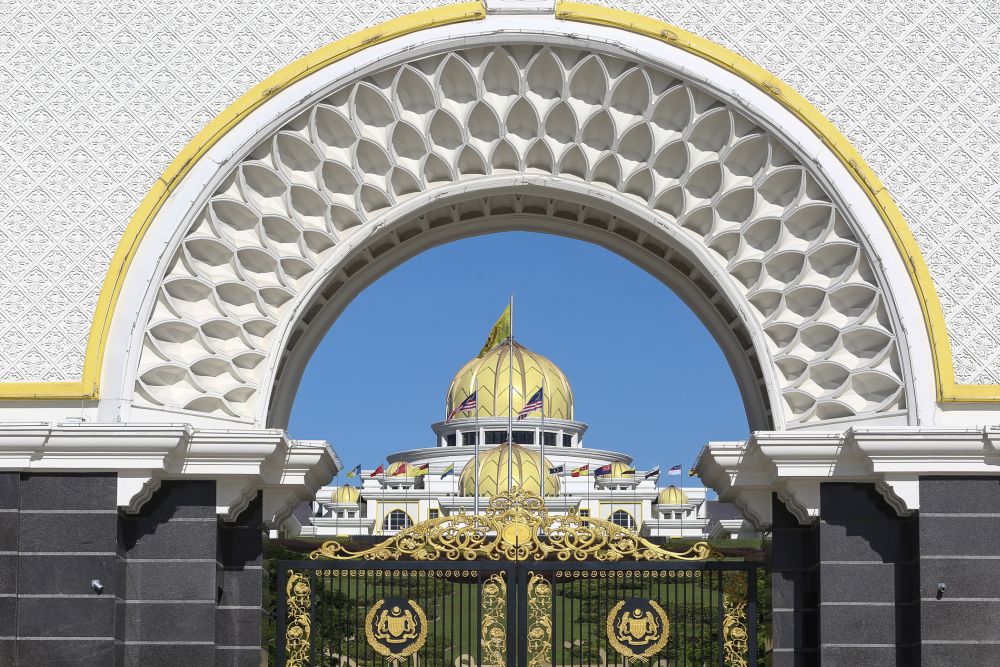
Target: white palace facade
<point x="429" y="482"/>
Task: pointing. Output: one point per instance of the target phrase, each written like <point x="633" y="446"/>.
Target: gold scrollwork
<point x="298" y="627"/>
<point x="494" y="625"/>
<point x="516" y="526"/>
<point x="539" y="621"/>
<point x="734" y="632"/>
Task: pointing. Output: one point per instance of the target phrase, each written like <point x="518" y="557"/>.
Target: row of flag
<point x="583" y="471"/>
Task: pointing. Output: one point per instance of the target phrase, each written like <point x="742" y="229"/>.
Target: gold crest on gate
<point x="638" y="628"/>
<point x="396" y="628"/>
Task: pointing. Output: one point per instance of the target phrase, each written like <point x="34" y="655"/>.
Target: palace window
<point x="567" y="440"/>
<point x="623" y="519"/>
<point x="496" y="437"/>
<point x="584" y="512"/>
<point x="396" y="520"/>
<point x="550" y="439"/>
<point x="469" y="438"/>
<point x="523" y="437"/>
<point x="450" y="439"/>
<point x="434" y="514"/>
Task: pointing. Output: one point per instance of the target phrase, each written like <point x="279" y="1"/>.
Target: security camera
<point x="97" y="586"/>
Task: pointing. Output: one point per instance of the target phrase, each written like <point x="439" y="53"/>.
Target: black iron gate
<point x="517" y="614"/>
<point x="516" y="587"/>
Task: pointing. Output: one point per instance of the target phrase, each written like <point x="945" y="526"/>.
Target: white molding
<point x="793" y="465"/>
<point x="241" y="462"/>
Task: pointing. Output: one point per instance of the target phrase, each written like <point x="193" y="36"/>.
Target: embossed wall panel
<point x="101" y="96"/>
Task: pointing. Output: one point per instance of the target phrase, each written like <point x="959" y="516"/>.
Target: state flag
<point x="603" y="470"/>
<point x="582" y="471"/>
<point x="422" y="469"/>
<point x="401" y="470"/>
<point x="354" y="472"/>
<point x="674" y="470"/>
<point x="378" y="471"/>
<point x="450" y="470"/>
<point x="557" y="470"/>
<point x="652" y="473"/>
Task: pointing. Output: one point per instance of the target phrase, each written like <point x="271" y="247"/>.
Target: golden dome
<point x="672" y="496"/>
<point x="493" y="473"/>
<point x="345" y="494"/>
<point x="490" y="375"/>
<point x="394" y="468"/>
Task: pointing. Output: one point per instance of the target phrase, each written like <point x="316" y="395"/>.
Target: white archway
<point x="679" y="165"/>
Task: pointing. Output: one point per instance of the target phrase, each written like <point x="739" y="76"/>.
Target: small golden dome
<point x="490" y="373"/>
<point x="618" y="471"/>
<point x="394" y="468"/>
<point x="493" y="473"/>
<point x="345" y="494"/>
<point x="672" y="496"/>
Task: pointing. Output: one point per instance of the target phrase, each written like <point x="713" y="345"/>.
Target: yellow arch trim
<point x="944" y="371"/>
<point x="89" y="387"/>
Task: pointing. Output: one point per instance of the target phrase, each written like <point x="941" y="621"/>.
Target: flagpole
<point x="541" y="447"/>
<point x="475" y="459"/>
<point x="510" y="399"/>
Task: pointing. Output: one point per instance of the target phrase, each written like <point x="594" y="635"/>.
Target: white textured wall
<point x="98" y="97"/>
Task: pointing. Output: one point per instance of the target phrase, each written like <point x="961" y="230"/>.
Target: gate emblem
<point x="638" y="628"/>
<point x="396" y="628"/>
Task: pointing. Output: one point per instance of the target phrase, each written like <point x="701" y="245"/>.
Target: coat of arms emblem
<point x="396" y="628"/>
<point x="638" y="628"/>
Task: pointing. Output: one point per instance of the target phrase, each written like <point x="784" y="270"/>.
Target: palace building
<point x="430" y="482"/>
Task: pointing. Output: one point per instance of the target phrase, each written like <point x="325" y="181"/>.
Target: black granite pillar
<point x="67" y="536"/>
<point x="960" y="548"/>
<point x="869" y="613"/>
<point x="10" y="483"/>
<point x="172" y="585"/>
<point x="238" y="616"/>
<point x="794" y="589"/>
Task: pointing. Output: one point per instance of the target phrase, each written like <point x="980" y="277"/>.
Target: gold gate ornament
<point x="638" y="628"/>
<point x="396" y="628"/>
<point x="517" y="527"/>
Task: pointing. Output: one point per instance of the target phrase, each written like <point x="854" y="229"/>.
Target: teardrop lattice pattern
<point x="697" y="162"/>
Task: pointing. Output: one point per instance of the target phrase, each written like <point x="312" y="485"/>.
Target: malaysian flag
<point x="534" y="403"/>
<point x="468" y="404"/>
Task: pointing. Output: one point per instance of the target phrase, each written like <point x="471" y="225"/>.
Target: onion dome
<point x="672" y="496"/>
<point x="492" y="378"/>
<point x="394" y="469"/>
<point x="343" y="495"/>
<point x="493" y="472"/>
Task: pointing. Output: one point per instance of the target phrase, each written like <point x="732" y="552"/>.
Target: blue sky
<point x="647" y="376"/>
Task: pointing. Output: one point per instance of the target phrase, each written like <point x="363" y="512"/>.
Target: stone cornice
<point x="242" y="462"/>
<point x="793" y="464"/>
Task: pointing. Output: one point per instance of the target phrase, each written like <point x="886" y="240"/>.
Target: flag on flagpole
<point x="603" y="470"/>
<point x="557" y="469"/>
<point x="468" y="404"/>
<point x="582" y="471"/>
<point x="674" y="470"/>
<point x="354" y="472"/>
<point x="401" y="470"/>
<point x="692" y="473"/>
<point x="450" y="470"/>
<point x="378" y="471"/>
<point x="652" y="473"/>
<point x="421" y="469"/>
<point x="534" y="403"/>
<point x="499" y="332"/>
<point x="628" y="471"/>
